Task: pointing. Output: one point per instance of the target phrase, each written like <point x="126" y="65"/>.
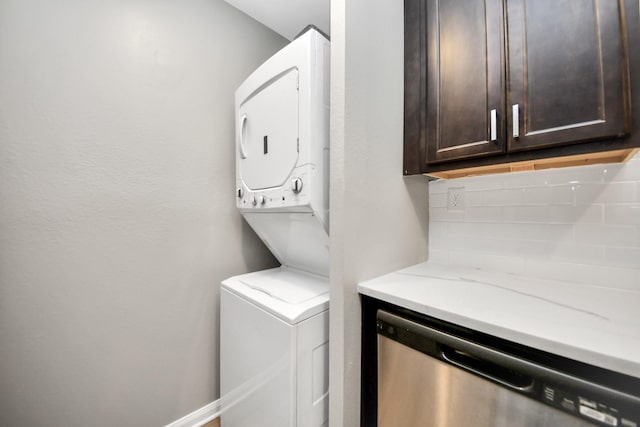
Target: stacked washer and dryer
<point x="274" y="326"/>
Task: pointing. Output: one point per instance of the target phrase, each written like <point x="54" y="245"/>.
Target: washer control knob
<point x="296" y="185"/>
<point x="262" y="200"/>
<point x="240" y="192"/>
<point x="254" y="201"/>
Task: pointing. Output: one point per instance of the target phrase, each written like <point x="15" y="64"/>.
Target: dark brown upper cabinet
<point x="503" y="81"/>
<point x="465" y="90"/>
<point x="567" y="72"/>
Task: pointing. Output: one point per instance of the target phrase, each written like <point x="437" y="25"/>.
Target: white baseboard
<point x="199" y="417"/>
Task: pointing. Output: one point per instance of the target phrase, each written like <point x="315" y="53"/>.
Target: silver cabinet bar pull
<point x="516" y="120"/>
<point x="494" y="125"/>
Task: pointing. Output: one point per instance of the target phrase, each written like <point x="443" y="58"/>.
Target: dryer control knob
<point x="262" y="200"/>
<point x="240" y="193"/>
<point x="296" y="185"/>
<point x="254" y="201"/>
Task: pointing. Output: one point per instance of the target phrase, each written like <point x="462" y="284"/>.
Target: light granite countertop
<point x="592" y="324"/>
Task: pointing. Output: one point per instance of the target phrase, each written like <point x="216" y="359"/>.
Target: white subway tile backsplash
<point x="521" y="247"/>
<point x="484" y="230"/>
<point x="553" y="214"/>
<point x="574" y="252"/>
<point x="437" y="233"/>
<point x="533" y="213"/>
<point x="529" y="248"/>
<point x="577" y="214"/>
<point x="452" y="242"/>
<point x="546" y="232"/>
<point x="514" y="196"/>
<point x="483" y="213"/>
<point x="475" y="198"/>
<point x="525" y="179"/>
<point x="622" y="214"/>
<point x="504" y="197"/>
<point x="587" y="194"/>
<point x="563" y="194"/>
<point x="501" y="230"/>
<point x="577" y="175"/>
<point x="486" y="182"/>
<point x="438" y="200"/>
<point x="481" y="246"/>
<point x="623" y="257"/>
<point x="537" y="195"/>
<point x="627" y="172"/>
<point x="614" y="192"/>
<point x="577" y="224"/>
<point x="508" y="264"/>
<point x="438" y="255"/>
<point x="437" y="214"/>
<point x="466" y="259"/>
<point x="620" y="192"/>
<point x="461" y="230"/>
<point x="438" y="187"/>
<point x="607" y="235"/>
<point x="547" y="195"/>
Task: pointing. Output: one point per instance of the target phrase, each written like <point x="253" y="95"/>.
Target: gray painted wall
<point x="379" y="220"/>
<point x="117" y="217"/>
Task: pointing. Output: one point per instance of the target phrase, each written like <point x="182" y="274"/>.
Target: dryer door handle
<point x="242" y="131"/>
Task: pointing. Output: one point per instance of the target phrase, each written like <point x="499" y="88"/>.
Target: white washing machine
<point x="275" y="349"/>
<point x="275" y="323"/>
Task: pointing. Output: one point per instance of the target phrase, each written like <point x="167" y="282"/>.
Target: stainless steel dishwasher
<point x="431" y="377"/>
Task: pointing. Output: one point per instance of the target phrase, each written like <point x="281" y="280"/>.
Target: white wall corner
<point x="199" y="417"/>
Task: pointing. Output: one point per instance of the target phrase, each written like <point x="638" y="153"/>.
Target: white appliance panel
<point x="313" y="371"/>
<point x="268" y="129"/>
<point x="296" y="239"/>
<point x="257" y="371"/>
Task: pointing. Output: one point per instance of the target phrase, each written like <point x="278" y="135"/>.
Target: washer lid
<point x="268" y="133"/>
<point x="288" y="294"/>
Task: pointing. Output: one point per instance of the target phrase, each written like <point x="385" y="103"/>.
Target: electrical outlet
<point x="455" y="199"/>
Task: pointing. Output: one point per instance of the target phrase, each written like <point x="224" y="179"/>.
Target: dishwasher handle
<point x="487" y="369"/>
<point x="479" y="359"/>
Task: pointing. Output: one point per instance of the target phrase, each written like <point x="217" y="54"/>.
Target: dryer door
<point x="267" y="139"/>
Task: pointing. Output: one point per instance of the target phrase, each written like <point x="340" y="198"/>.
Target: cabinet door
<point x="464" y="81"/>
<point x="567" y="72"/>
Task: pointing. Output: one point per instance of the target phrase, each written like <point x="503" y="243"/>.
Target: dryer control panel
<point x="293" y="193"/>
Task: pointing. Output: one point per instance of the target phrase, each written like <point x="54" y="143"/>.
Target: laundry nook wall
<point x="117" y="212"/>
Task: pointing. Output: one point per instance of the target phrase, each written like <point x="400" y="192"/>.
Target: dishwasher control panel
<point x="588" y="408"/>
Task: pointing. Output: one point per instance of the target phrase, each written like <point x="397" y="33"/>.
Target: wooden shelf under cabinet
<point x="615" y="156"/>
